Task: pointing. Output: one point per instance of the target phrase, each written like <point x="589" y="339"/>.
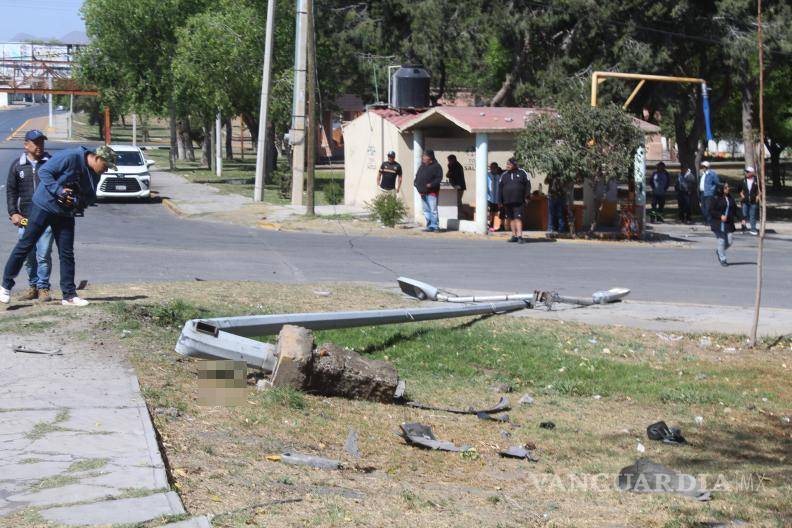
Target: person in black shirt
<point x="722" y="213"/>
<point x="427" y="183"/>
<point x="456" y="177"/>
<point x="390" y="174"/>
<point x="749" y="195"/>
<point x="514" y="188"/>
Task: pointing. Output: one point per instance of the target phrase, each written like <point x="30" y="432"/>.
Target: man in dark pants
<point x="427" y="183"/>
<point x="68" y="185"/>
<point x="659" y="183"/>
<point x="749" y="196"/>
<point x="513" y="190"/>
<point x="390" y="174"/>
<point x="686" y="183"/>
<point x="22" y="182"/>
<point x="456" y="177"/>
<point x="707" y="186"/>
<point x="556" y="204"/>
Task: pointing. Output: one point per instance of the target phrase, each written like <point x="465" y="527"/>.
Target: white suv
<point x="131" y="179"/>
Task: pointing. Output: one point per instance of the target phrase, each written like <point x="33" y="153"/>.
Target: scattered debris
<point x="351" y="444"/>
<point x="502" y="388"/>
<point x="640" y="448"/>
<point x="487" y="416"/>
<point x="298" y="459"/>
<point x="199" y="279"/>
<point x="698" y="420"/>
<point x="669" y="337"/>
<point x="505" y="434"/>
<point x="785" y="420"/>
<point x="547" y="425"/>
<point x="705" y="342"/>
<point x="597" y="397"/>
<point x="323" y="293"/>
<point x="518" y="451"/>
<point x="668" y="435"/>
<point x="25" y="350"/>
<point x="502" y="405"/>
<point x="526" y="399"/>
<point x="646" y="476"/>
<point x="422" y="436"/>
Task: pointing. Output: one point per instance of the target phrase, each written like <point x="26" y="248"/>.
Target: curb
<point x="269" y="225"/>
<point x="172" y="207"/>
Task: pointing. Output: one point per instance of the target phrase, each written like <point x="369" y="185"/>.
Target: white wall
<point x="3" y="99"/>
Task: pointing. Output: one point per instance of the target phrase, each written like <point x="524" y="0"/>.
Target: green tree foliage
<point x="580" y="141"/>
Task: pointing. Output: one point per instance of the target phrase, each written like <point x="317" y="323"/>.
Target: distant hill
<point x="73" y="37"/>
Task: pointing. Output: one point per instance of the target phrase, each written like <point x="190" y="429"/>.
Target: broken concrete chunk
<point x="519" y="451"/>
<point x="421" y="435"/>
<point x="646" y="476"/>
<point x="526" y="399"/>
<point x="502" y="388"/>
<point x="298" y="459"/>
<point x="295" y="353"/>
<point x="337" y="371"/>
<point x="489" y="417"/>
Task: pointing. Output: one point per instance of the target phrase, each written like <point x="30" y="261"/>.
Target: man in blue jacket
<point x="67" y="186"/>
<point x="708" y="184"/>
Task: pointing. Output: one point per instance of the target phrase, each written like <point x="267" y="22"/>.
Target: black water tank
<point x="410" y="88"/>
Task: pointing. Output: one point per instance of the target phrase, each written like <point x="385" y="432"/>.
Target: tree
<point x="778" y="118"/>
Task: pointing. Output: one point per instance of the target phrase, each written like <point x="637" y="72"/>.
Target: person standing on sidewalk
<point x="456" y="177"/>
<point x="390" y="175"/>
<point x="659" y="183"/>
<point x="749" y="196"/>
<point x="67" y="185"/>
<point x="685" y="185"/>
<point x="493" y="181"/>
<point x="427" y="183"/>
<point x="556" y="204"/>
<point x="722" y="213"/>
<point x="513" y="191"/>
<point x="707" y="185"/>
<point x="22" y="182"/>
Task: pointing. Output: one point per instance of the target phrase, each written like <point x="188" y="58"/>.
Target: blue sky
<point x="41" y="18"/>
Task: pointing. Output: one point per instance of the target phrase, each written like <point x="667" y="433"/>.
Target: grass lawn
<point x="238" y="176"/>
<point x="601" y="387"/>
<point x="159" y="131"/>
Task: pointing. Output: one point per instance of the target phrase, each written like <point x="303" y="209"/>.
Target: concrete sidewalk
<point x="77" y="445"/>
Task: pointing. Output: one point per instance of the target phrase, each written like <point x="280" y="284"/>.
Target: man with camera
<point x="67" y="186"/>
<point x="21" y="184"/>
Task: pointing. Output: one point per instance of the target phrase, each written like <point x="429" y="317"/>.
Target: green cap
<point x="107" y="154"/>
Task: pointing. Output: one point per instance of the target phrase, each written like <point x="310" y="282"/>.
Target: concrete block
<point x="295" y="347"/>
<point x="195" y="522"/>
<point x="121" y="511"/>
<point x="337" y="371"/>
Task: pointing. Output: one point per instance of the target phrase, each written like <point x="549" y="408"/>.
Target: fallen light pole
<point x="229" y="337"/>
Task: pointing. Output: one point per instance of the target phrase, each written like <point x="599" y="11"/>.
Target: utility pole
<point x="49" y="85"/>
<point x="219" y="145"/>
<point x="762" y="200"/>
<point x="71" y="114"/>
<point x="262" y="145"/>
<point x="298" y="103"/>
<point x="310" y="143"/>
<point x="134" y="130"/>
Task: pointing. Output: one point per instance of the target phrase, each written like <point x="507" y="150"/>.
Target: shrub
<point x="387" y="208"/>
<point x="334" y="193"/>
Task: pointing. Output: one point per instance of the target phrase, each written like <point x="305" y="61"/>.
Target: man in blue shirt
<point x="67" y="186"/>
<point x="708" y="184"/>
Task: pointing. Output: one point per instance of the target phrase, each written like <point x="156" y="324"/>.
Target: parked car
<point x="131" y="179"/>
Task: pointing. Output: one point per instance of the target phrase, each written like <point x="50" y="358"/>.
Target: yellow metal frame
<point x="598" y="77"/>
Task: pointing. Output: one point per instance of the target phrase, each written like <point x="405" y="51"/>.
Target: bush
<point x="334" y="193"/>
<point x="387" y="208"/>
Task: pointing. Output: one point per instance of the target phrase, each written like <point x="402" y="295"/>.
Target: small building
<point x="477" y="136"/>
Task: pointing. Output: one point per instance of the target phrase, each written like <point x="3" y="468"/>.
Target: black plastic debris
<point x="518" y="451"/>
<point x="422" y="436"/>
<point x="668" y="435"/>
<point x="298" y="459"/>
<point x="486" y="416"/>
<point x="547" y="425"/>
<point x="351" y="444"/>
<point x="502" y="405"/>
<point x="646" y="476"/>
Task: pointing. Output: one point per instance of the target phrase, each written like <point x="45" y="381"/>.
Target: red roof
<point x="475" y="119"/>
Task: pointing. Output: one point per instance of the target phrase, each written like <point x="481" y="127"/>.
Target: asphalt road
<point x="139" y="242"/>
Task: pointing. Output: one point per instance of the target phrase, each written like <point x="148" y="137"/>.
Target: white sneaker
<point x="754" y="232"/>
<point x="75" y="301"/>
<point x="5" y="296"/>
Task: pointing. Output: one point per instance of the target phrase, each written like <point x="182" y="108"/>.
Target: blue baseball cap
<point x="33" y="135"/>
